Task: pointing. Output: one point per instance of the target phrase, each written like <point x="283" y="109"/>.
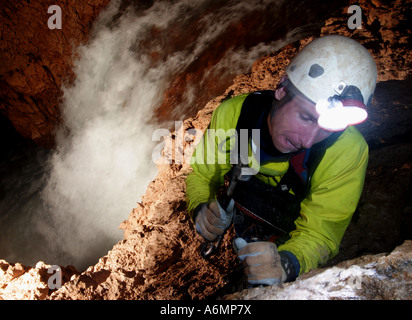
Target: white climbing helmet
<point x="339" y="75"/>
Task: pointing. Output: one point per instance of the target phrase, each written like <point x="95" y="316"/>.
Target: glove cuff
<point x="290" y="265"/>
<point x="197" y="210"/>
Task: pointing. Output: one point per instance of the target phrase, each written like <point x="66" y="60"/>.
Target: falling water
<point x="80" y="193"/>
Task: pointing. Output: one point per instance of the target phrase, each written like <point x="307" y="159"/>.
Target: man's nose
<point x="310" y="137"/>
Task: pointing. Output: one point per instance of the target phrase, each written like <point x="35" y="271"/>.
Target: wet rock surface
<point x="370" y="277"/>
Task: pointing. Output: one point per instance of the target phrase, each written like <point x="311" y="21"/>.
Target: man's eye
<point x="304" y="117"/>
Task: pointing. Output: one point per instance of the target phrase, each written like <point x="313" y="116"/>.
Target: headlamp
<point x="336" y="114"/>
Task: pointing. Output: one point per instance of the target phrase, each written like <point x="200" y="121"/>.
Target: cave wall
<point x="36" y="61"/>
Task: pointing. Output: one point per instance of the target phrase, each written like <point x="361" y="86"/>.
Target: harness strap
<point x="275" y="208"/>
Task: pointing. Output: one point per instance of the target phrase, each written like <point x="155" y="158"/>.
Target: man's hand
<point x="212" y="220"/>
<point x="261" y="260"/>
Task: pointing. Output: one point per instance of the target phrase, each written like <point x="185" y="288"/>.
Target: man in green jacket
<point x="297" y="163"/>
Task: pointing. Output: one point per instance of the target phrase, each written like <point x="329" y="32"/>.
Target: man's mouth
<point x="295" y="146"/>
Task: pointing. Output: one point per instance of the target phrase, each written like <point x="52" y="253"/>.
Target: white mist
<point x="102" y="164"/>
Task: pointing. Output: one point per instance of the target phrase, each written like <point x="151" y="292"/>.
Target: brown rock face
<point x="36" y="61"/>
<point x="18" y="282"/>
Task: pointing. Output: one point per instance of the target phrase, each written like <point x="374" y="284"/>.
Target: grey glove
<point x="262" y="262"/>
<point x="212" y="221"/>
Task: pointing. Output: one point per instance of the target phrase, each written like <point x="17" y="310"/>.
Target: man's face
<point x="295" y="125"/>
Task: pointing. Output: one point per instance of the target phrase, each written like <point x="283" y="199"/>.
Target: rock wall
<point x="19" y="282"/>
<point x="36" y="61"/>
<point x="159" y="255"/>
<point x="371" y="277"/>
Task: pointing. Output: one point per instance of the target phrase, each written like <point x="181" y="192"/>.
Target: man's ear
<point x="280" y="92"/>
